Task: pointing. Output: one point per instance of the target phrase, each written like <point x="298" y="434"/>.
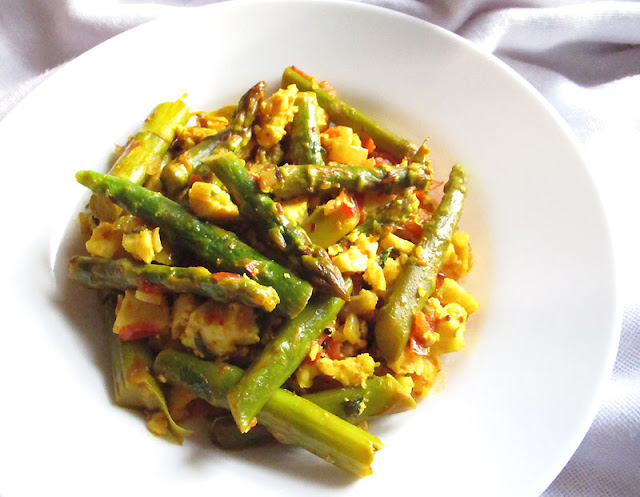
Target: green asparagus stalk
<point x="280" y="358"/>
<point x="304" y="138"/>
<point x="151" y="142"/>
<point x="290" y="418"/>
<point x="219" y="248"/>
<point x="133" y="384"/>
<point x="297" y="179"/>
<point x="234" y="137"/>
<point x="422" y="156"/>
<point x="418" y="278"/>
<point x="304" y="257"/>
<point x="224" y="433"/>
<point x="144" y="152"/>
<point x="123" y="274"/>
<point x="343" y="114"/>
<point x="381" y="396"/>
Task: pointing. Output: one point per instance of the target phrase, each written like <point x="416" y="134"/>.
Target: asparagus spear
<point x="123" y="274"/>
<point x="343" y="114"/>
<point x="224" y="433"/>
<point x="234" y="137"/>
<point x="220" y="249"/>
<point x="304" y="141"/>
<point x="133" y="384"/>
<point x="292" y="419"/>
<point x="151" y="142"/>
<point x="381" y="396"/>
<point x="418" y="278"/>
<point x="303" y="256"/>
<point x="280" y="358"/>
<point x="422" y="156"/>
<point x="144" y="152"/>
<point x="297" y="179"/>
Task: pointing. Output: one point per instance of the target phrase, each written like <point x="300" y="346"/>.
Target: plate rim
<point x="568" y="134"/>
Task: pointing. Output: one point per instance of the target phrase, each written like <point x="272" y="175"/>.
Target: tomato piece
<point x="146" y="287"/>
<point x="333" y="132"/>
<point x="368" y="143"/>
<point x="414" y="230"/>
<point x="359" y="200"/>
<point x="347" y="205"/>
<point x="225" y="276"/>
<point x="300" y="72"/>
<point x="421" y="328"/>
<point x="193" y="179"/>
<point x="215" y="316"/>
<point x="382" y="157"/>
<point x="137" y="331"/>
<point x="333" y="348"/>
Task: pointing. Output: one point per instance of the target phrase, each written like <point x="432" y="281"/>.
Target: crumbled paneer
<point x="400" y="244"/>
<point x="183" y="305"/>
<point x="353" y="331"/>
<point x="207" y="124"/>
<point x="105" y="241"/>
<point x="363" y="303"/>
<point x="188" y="136"/>
<point x="335" y="249"/>
<point x="216" y="119"/>
<point x="351" y="261"/>
<point x="392" y="268"/>
<point x="368" y="245"/>
<point x="408" y="363"/>
<point x="423" y="383"/>
<point x="419" y="372"/>
<point x="220" y="328"/>
<point x="274" y="114"/>
<point x="306" y="373"/>
<point x="374" y="275"/>
<point x="209" y="201"/>
<point x="104" y="209"/>
<point x="451" y="292"/>
<point x="144" y="245"/>
<point x="350" y="371"/>
<point x="158" y="424"/>
<point x="458" y="259"/>
<point x="136" y="318"/>
<point x="152" y="297"/>
<point x="343" y="145"/>
<point x="451" y="322"/>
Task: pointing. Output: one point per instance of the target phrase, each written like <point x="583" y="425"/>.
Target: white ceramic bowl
<point x="513" y="405"/>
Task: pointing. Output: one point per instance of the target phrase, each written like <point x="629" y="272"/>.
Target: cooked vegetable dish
<point x="278" y="268"/>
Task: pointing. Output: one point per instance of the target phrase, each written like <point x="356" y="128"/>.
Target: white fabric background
<point x="583" y="56"/>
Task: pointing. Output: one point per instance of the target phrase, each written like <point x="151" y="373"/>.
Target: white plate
<point x="515" y="403"/>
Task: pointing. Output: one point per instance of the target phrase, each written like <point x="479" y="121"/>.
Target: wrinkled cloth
<point x="582" y="56"/>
